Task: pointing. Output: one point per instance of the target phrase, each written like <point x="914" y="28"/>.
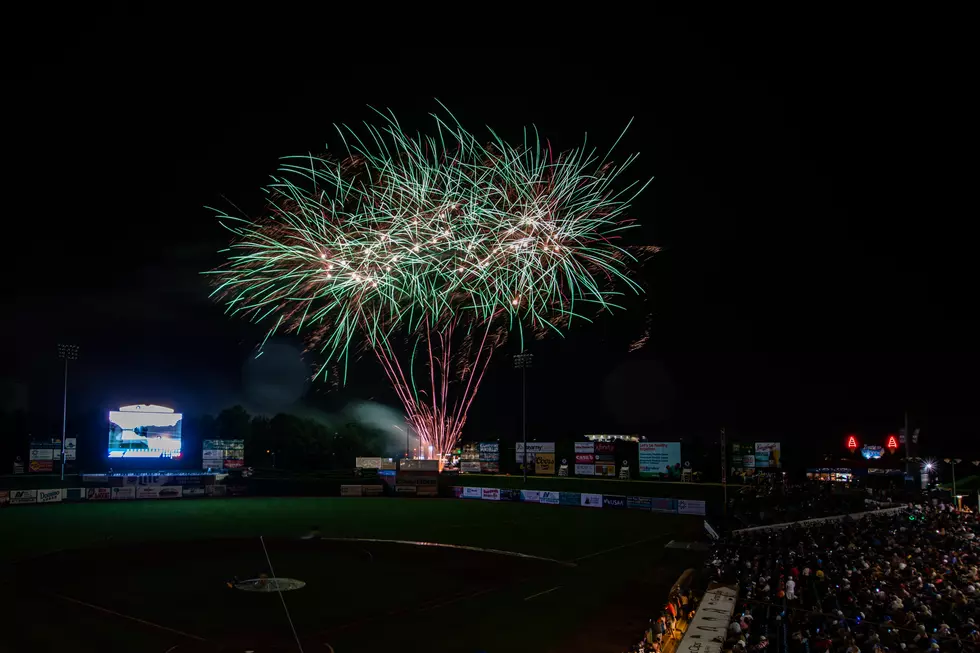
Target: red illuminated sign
<point x="852" y="443"/>
<point x="892" y="443"/>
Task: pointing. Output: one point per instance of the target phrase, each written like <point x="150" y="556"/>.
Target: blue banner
<point x="663" y="505"/>
<point x="639" y="503"/>
<point x="570" y="499"/>
<point x="613" y="501"/>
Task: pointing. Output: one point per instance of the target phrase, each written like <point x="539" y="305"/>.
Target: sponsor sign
<point x="510" y="495"/>
<point x="767" y="455"/>
<point x="708" y="629"/>
<point x="159" y="492"/>
<point x="586" y="458"/>
<point x="98" y="493"/>
<point x="193" y="491"/>
<point x="690" y="507"/>
<point x="351" y="491"/>
<point x="18" y="468"/>
<point x="530" y="496"/>
<point x="613" y="501"/>
<point x="95" y="478"/>
<point x="533" y="448"/>
<point x="544" y="463"/>
<point x="4" y="497"/>
<point x="23" y="496"/>
<point x="457" y="491"/>
<point x="123" y="493"/>
<point x="472" y="492"/>
<point x="49" y="496"/>
<point x="471" y="467"/>
<point x="41" y="466"/>
<point x="490" y="447"/>
<point x="591" y="500"/>
<point x="216" y="490"/>
<point x="418" y="465"/>
<point x="75" y="494"/>
<point x="584" y="470"/>
<point x="639" y="503"/>
<point x="372" y="490"/>
<point x="663" y="505"/>
<point x="658" y="457"/>
<point x="608" y="448"/>
<point x="42" y="454"/>
<point x="584" y="447"/>
<point x="71" y="448"/>
<point x="551" y="498"/>
<point x="70" y="454"/>
<point x="491" y="494"/>
<point x="489" y="467"/>
<point x="237" y="490"/>
<point x="406" y="489"/>
<point x="223" y="454"/>
<point x="606" y="470"/>
<point x="569" y="498"/>
<point x="372" y="462"/>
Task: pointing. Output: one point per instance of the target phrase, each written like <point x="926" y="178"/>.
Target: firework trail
<point x="429" y="251"/>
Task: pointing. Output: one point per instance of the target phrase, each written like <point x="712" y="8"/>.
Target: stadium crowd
<point x="906" y="581"/>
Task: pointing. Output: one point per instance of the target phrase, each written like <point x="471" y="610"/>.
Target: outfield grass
<point x="157" y="561"/>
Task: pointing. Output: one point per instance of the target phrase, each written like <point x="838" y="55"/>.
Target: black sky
<point x="813" y="280"/>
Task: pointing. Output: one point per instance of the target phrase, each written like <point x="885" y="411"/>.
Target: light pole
<point x="68" y="353"/>
<point x="952" y="462"/>
<point x="522" y="361"/>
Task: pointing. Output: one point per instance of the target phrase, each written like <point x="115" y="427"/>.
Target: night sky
<point x="811" y="281"/>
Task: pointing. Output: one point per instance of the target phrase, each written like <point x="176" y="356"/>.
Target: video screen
<point x="144" y="432"/>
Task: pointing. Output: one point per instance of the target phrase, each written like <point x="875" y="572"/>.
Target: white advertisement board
<point x="708" y="629"/>
<point x="472" y="492"/>
<point x="123" y="493"/>
<point x="98" y="494"/>
<point x="592" y="500"/>
<point x="551" y="498"/>
<point x="49" y="496"/>
<point x="658" y="457"/>
<point x="584" y="470"/>
<point x="23" y="496"/>
<point x="491" y="494"/>
<point x="690" y="507"/>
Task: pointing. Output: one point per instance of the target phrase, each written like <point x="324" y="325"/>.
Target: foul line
<point x="615" y="548"/>
<point x="460" y="547"/>
<point x="528" y="598"/>
<point x="126" y="616"/>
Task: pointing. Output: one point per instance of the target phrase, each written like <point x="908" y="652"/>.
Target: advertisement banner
<point x="639" y="503"/>
<point x="491" y="494"/>
<point x="767" y="455"/>
<point x="530" y="496"/>
<point x="584" y="447"/>
<point x="690" y="507"/>
<point x="613" y="501"/>
<point x="159" y="491"/>
<point x="74" y="494"/>
<point x="569" y="498"/>
<point x="657" y="458"/>
<point x="216" y="490"/>
<point x="591" y="500"/>
<point x="123" y="493"/>
<point x="98" y="493"/>
<point x="663" y="505"/>
<point x="237" y="490"/>
<point x="351" y="490"/>
<point x="457" y="491"/>
<point x="406" y="489"/>
<point x="23" y="496"/>
<point x="605" y="448"/>
<point x="49" y="496"/>
<point x="44" y="466"/>
<point x="470" y="467"/>
<point x="43" y="454"/>
<point x="193" y="492"/>
<point x="489" y="467"/>
<point x="510" y="495"/>
<point x="372" y="490"/>
<point x="472" y="493"/>
<point x="584" y="470"/>
<point x="551" y="498"/>
<point x="534" y="447"/>
<point x="544" y="464"/>
<point x="4" y="497"/>
<point x="489" y="447"/>
<point x="585" y="458"/>
<point x="608" y="470"/>
<point x="371" y="462"/>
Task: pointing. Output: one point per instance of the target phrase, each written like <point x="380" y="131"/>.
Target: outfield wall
<point x="584" y="500"/>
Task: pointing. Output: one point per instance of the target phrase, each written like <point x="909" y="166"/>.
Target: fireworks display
<point x="407" y="245"/>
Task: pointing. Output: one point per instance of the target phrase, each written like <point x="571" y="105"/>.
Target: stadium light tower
<point x="522" y="361"/>
<point x="68" y="353"/>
